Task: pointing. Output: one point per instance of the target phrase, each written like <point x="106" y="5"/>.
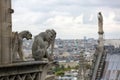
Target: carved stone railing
<point x="34" y="70"/>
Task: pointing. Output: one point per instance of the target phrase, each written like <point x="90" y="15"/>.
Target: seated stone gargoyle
<point x="41" y="43"/>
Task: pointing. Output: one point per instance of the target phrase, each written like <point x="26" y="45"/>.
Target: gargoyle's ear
<point x="28" y="32"/>
<point x="54" y="31"/>
<point x="48" y="30"/>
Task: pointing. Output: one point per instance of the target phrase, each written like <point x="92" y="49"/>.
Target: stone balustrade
<point x="31" y="70"/>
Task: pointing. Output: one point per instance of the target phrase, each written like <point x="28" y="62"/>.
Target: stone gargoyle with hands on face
<point x="41" y="43"/>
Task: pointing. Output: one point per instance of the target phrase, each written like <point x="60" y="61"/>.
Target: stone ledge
<point x="22" y="68"/>
<point x="24" y="63"/>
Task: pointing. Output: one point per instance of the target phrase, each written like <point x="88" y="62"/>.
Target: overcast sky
<point x="72" y="19"/>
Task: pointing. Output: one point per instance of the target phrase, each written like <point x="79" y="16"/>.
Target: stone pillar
<point x="5" y="31"/>
<point x="100" y="30"/>
<point x="0" y="35"/>
<point x="100" y="23"/>
<point x="100" y="50"/>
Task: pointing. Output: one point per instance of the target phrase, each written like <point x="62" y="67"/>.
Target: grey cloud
<point x="46" y="9"/>
<point x="117" y="16"/>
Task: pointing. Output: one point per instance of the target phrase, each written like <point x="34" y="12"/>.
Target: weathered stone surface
<point x="100" y="53"/>
<point x="5" y="31"/>
<point x="17" y="43"/>
<point x="32" y="70"/>
<point x="41" y="43"/>
<point x="100" y="23"/>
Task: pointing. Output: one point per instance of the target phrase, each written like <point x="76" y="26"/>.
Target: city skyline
<point x="72" y="19"/>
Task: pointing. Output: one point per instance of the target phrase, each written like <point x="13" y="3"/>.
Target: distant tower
<point x="85" y="42"/>
<point x="81" y="72"/>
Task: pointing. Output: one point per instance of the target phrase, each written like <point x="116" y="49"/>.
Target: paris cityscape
<point x="59" y="40"/>
<point x="67" y="53"/>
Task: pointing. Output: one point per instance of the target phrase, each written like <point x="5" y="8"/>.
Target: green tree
<point x="62" y="67"/>
<point x="60" y="73"/>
